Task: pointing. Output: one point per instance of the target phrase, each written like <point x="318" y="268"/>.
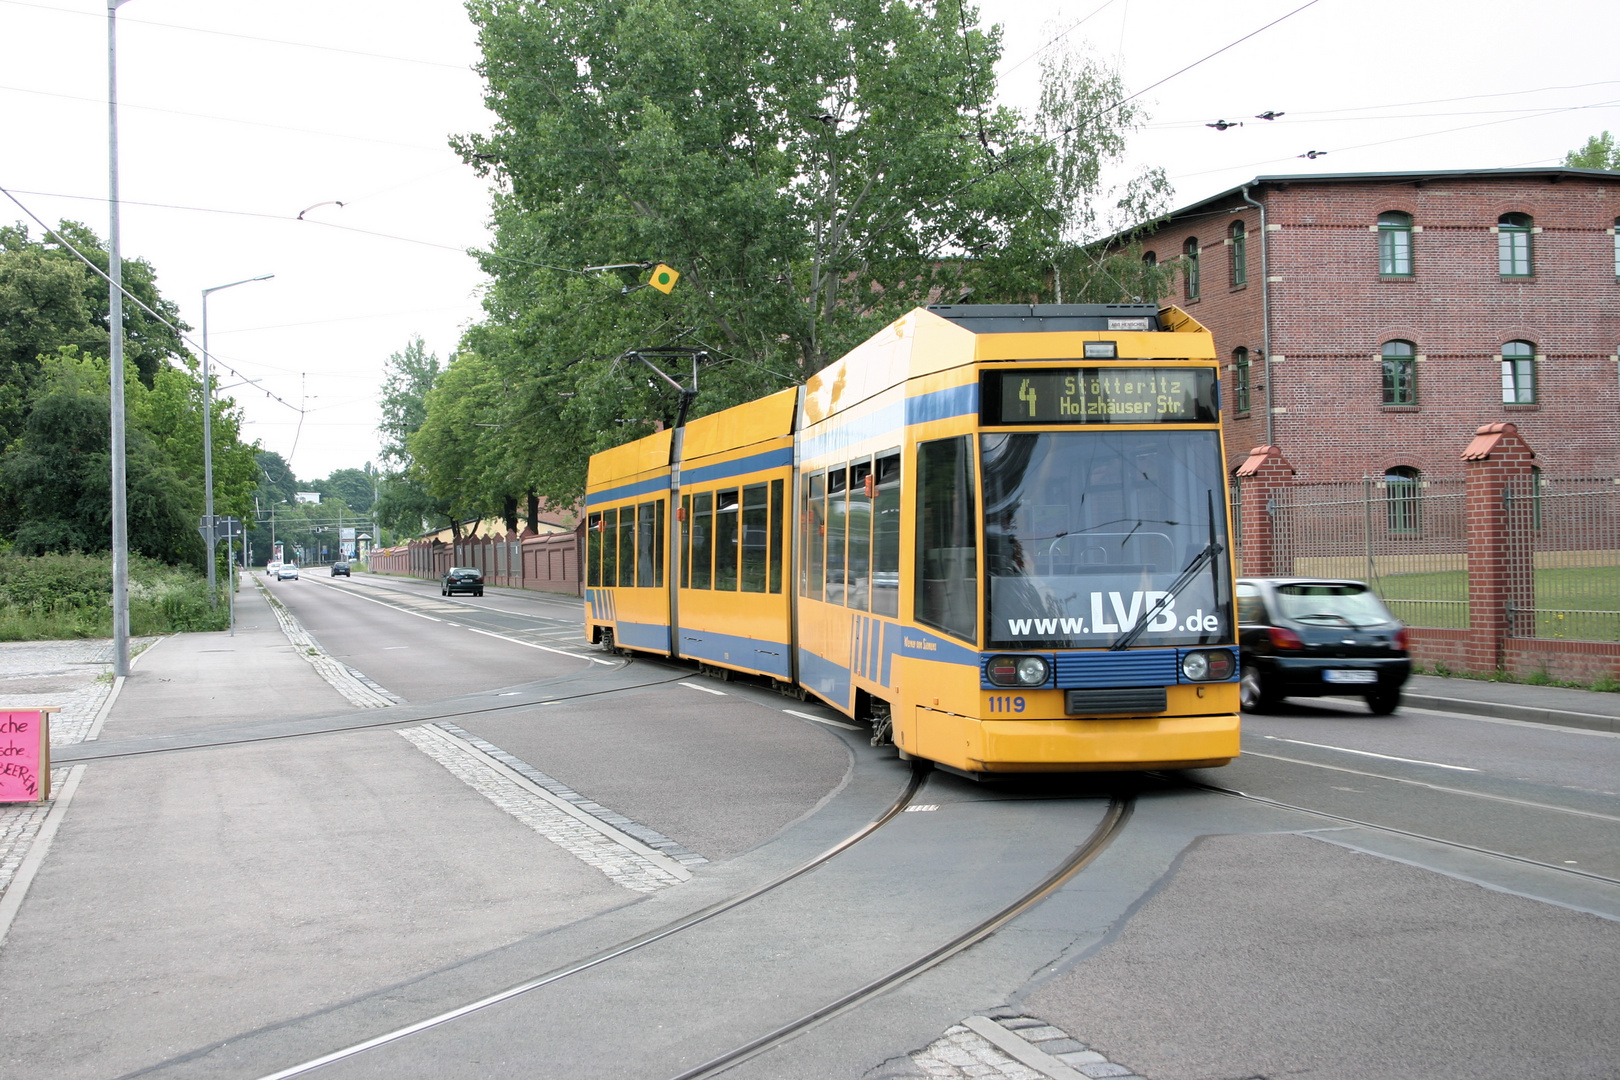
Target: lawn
<point x="1577" y="603"/>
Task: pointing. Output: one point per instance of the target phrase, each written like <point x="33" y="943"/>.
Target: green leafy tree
<point x="37" y="314"/>
<point x="813" y="169"/>
<point x="353" y="486"/>
<point x="404" y="502"/>
<point x="1600" y="152"/>
<point x="58" y="472"/>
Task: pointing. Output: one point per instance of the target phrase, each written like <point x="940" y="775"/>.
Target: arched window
<point x="1513" y="244"/>
<point x="1394" y="244"/>
<point x="1151" y="258"/>
<point x="1240" y="379"/>
<point x="1402" y="487"/>
<point x="1400" y="373"/>
<point x="1189" y="268"/>
<point x="1518" y="373"/>
<point x="1238" y="240"/>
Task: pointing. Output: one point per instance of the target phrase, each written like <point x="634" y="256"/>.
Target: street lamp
<point x="208" y="429"/>
<point x="115" y="324"/>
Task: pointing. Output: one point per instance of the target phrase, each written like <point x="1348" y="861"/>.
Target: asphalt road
<point x="1444" y="913"/>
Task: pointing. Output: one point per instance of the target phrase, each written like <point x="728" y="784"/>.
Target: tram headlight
<point x="1032" y="671"/>
<point x="1214" y="665"/>
<point x="1017" y="670"/>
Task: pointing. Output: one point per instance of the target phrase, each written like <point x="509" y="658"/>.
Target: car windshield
<point x="1086" y="531"/>
<point x="1332" y="604"/>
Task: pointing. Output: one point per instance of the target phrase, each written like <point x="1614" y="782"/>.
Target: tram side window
<point x="860" y="536"/>
<point x="755" y="537"/>
<point x="702" y="539"/>
<point x="627" y="547"/>
<point x="776" y="536"/>
<point x="837" y="511"/>
<point x="593" y="554"/>
<point x="815" y="532"/>
<point x="610" y="548"/>
<point x="886" y="537"/>
<point x="650" y="545"/>
<point x="658" y="544"/>
<point x="947" y="541"/>
<point x="686" y="541"/>
<point x="726" y="528"/>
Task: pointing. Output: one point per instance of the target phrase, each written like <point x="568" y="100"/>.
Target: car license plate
<point x="1350" y="676"/>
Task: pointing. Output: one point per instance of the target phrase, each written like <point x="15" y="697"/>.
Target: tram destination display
<point x="1092" y="395"/>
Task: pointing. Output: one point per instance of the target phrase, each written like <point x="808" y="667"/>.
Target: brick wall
<point x="1331" y="313"/>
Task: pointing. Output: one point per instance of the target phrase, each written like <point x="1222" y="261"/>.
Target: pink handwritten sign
<point x="25" y="755"/>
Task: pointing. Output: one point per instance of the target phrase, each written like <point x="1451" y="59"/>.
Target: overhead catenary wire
<point x="182" y="335"/>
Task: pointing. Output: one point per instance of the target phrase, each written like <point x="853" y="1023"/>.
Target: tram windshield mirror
<point x="1086" y="531"/>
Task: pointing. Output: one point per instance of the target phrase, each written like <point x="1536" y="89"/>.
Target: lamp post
<point x="208" y="428"/>
<point x="115" y="324"/>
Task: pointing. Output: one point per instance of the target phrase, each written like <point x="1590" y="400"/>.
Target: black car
<point x="1310" y="637"/>
<point x="340" y="569"/>
<point x="465" y="579"/>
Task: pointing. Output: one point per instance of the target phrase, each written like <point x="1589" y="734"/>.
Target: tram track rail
<point x="68" y="756"/>
<point x="623" y="948"/>
<point x="1113" y="822"/>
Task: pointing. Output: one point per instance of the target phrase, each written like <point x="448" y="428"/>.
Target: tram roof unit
<point x="1048" y="318"/>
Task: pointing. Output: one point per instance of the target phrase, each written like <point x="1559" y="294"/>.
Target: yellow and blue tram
<point x="997" y="532"/>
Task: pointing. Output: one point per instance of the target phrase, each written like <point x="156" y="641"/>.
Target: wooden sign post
<point x="25" y="754"/>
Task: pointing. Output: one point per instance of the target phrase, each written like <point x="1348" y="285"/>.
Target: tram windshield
<point x="1086" y="531"/>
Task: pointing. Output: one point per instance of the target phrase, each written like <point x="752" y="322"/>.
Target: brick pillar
<point x="1501" y="573"/>
<point x="1263" y="475"/>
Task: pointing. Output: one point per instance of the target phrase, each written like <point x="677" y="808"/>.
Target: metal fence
<point x="1407" y="538"/>
<point x="1573" y="544"/>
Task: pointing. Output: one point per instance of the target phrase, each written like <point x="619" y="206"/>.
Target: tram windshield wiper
<point x="1188" y="576"/>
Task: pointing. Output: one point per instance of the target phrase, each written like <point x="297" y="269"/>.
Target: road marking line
<point x="384" y="603"/>
<point x="923" y="809"/>
<point x="17" y="888"/>
<point x="822" y="720"/>
<point x="441" y="600"/>
<point x="705" y="689"/>
<point x="1439" y="787"/>
<point x="1369" y="753"/>
<point x="542" y="648"/>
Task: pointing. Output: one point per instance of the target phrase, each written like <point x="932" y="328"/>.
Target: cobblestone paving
<point x="77" y="675"/>
<point x="361" y="691"/>
<point x="646" y="834"/>
<point x="621" y="865"/>
<point x="962" y="1053"/>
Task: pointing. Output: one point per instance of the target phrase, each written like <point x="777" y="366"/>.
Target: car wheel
<point x="1253" y="692"/>
<point x="1383" y="702"/>
<point x="480" y="592"/>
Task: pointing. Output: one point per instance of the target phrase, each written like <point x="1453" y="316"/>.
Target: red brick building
<point x="1372" y="321"/>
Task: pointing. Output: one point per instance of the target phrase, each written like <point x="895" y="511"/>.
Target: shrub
<point x="70" y="596"/>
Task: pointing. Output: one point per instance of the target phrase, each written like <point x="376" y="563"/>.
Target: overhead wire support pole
<point x="115" y="324"/>
<point x="208" y="442"/>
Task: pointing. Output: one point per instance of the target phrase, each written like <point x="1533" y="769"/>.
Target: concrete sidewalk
<point x="190" y="897"/>
<point x="1559" y="705"/>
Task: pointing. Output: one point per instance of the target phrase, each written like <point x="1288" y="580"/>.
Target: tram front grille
<point x="1121" y="699"/>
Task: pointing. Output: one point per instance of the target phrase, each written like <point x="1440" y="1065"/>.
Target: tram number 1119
<point x="1004" y="704"/>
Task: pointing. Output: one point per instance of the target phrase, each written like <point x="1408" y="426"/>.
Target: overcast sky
<point x="235" y="117"/>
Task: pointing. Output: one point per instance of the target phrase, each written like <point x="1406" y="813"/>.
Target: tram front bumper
<point x="1072" y="744"/>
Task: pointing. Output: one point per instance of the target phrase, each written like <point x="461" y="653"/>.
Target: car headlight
<point x="1212" y="665"/>
<point x="1017" y="670"/>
